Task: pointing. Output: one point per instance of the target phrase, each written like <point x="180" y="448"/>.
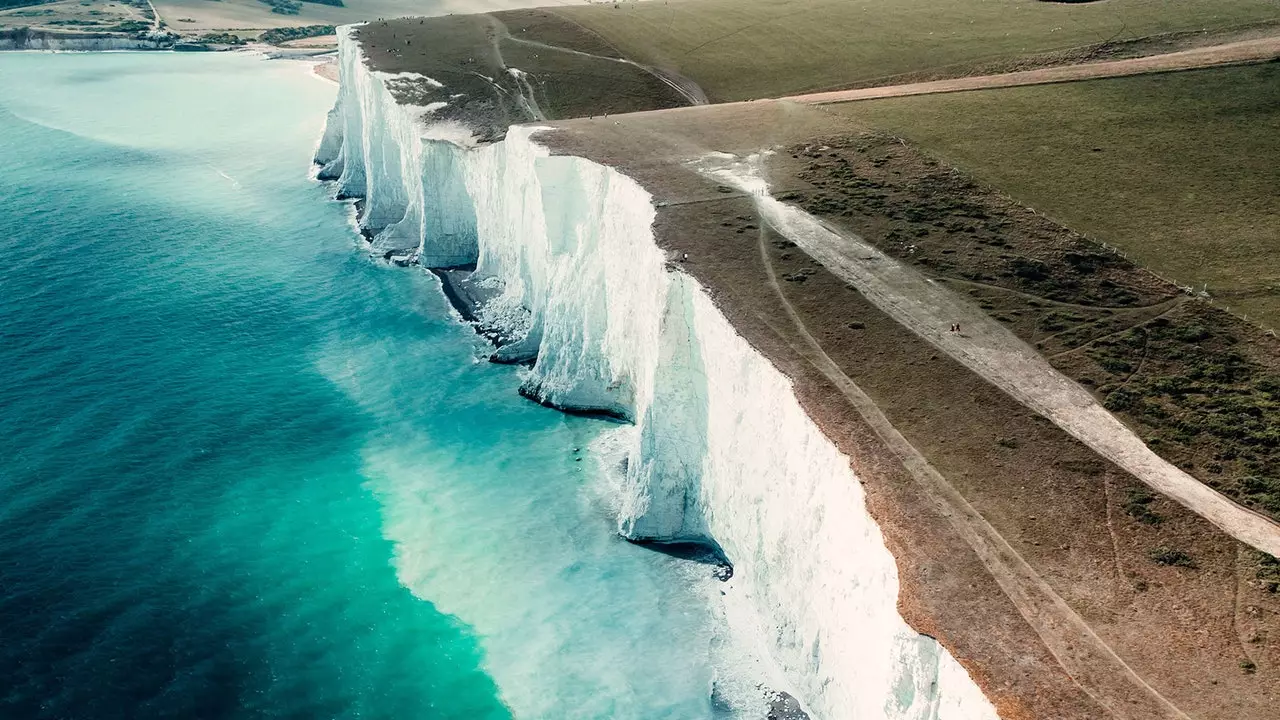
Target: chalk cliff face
<point x="24" y="39"/>
<point x="722" y="452"/>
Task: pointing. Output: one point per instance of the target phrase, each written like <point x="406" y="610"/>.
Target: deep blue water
<point x="247" y="472"/>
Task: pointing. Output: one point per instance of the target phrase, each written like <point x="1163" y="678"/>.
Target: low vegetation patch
<point x="1199" y="385"/>
<point x="293" y="7"/>
<point x="223" y="38"/>
<point x="1138" y="506"/>
<point x="1204" y="391"/>
<point x="1269" y="572"/>
<point x="1171" y="557"/>
<point x="284" y="7"/>
<point x="276" y="36"/>
<point x="917" y="209"/>
<point x="132" y="26"/>
<point x="1177" y="170"/>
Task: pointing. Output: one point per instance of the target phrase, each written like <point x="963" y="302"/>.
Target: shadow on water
<point x="123" y="657"/>
<point x="703" y="552"/>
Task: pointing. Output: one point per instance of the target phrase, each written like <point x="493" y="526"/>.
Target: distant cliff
<point x="28" y="39"/>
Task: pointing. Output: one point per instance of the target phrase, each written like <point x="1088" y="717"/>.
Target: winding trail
<point x="993" y="352"/>
<point x="1086" y="658"/>
<point x="1243" y="51"/>
<point x="687" y="88"/>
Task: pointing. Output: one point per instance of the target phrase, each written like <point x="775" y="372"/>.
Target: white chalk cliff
<point x="723" y="452"/>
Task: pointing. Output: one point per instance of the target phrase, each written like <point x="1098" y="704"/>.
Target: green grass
<point x="1138" y="506"/>
<point x="10" y="4"/>
<point x="1268" y="572"/>
<point x="742" y="49"/>
<point x="276" y="36"/>
<point x="1179" y="170"/>
<point x="1171" y="557"/>
<point x="1204" y="394"/>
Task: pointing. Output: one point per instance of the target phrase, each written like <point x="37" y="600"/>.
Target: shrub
<point x="1169" y="556"/>
<point x="284" y="7"/>
<point x="132" y="26"/>
<point x="1193" y="333"/>
<point x="1033" y="270"/>
<point x="223" y="38"/>
<point x="1269" y="572"/>
<point x="1138" y="507"/>
<point x="1120" y="399"/>
<point x="280" y="35"/>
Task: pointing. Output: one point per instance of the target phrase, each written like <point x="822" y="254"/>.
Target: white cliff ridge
<point x="722" y="452"/>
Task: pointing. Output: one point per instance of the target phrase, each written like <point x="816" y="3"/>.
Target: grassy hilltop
<point x="743" y="49"/>
<point x="1179" y="170"/>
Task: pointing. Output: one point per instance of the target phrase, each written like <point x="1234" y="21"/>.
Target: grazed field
<point x="253" y="14"/>
<point x="1236" y="52"/>
<point x="743" y="49"/>
<point x="80" y="16"/>
<point x="1179" y="171"/>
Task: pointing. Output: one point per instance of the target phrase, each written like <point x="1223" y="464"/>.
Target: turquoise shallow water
<point x="246" y="472"/>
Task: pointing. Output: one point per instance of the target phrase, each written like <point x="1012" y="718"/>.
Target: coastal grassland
<point x="1200" y="385"/>
<point x="744" y="49"/>
<point x="492" y="75"/>
<point x="78" y="16"/>
<point x="284" y="36"/>
<point x="1081" y="523"/>
<point x="257" y="15"/>
<point x="1180" y="170"/>
<point x="201" y="15"/>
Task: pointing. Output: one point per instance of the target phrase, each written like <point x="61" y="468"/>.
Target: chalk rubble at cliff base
<point x="722" y="452"/>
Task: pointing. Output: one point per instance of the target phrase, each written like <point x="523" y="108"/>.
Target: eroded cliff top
<point x="494" y="70"/>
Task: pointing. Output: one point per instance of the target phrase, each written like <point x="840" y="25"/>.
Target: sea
<point x="246" y="471"/>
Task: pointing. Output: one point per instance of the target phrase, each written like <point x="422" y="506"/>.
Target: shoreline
<point x="327" y="70"/>
<point x="619" y="251"/>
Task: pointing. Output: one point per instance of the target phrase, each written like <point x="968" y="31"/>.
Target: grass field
<point x="253" y="14"/>
<point x="1200" y="386"/>
<point x="743" y="49"/>
<point x="76" y="15"/>
<point x="1180" y="171"/>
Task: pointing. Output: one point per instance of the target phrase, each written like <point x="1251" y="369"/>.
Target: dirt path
<point x="1085" y="657"/>
<point x="156" y="23"/>
<point x="687" y="88"/>
<point x="993" y="352"/>
<point x="1244" y="51"/>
